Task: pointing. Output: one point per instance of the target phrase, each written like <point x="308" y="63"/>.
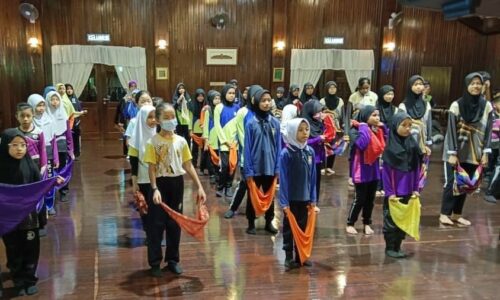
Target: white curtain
<point x="75" y="74"/>
<point x="130" y="63"/>
<point x="308" y="64"/>
<point x="354" y="75"/>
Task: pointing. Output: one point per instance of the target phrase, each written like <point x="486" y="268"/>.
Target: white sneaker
<point x="445" y="220"/>
<point x="316" y="209"/>
<point x="368" y="230"/>
<point x="351" y="230"/>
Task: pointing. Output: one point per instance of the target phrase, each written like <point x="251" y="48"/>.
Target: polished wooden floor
<point x="94" y="248"/>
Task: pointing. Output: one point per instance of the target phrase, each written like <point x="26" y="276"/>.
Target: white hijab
<point x="44" y="122"/>
<point x="58" y="115"/>
<point x="292" y="126"/>
<point x="142" y="132"/>
<point x="289" y="112"/>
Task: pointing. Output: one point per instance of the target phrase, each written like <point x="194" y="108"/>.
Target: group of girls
<point x="40" y="147"/>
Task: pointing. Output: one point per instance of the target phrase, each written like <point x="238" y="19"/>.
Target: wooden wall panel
<point x="422" y="39"/>
<point x="425" y="39"/>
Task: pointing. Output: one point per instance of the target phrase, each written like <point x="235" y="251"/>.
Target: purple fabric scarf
<point x="17" y="201"/>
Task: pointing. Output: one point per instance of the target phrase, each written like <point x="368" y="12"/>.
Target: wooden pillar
<point x="279" y="57"/>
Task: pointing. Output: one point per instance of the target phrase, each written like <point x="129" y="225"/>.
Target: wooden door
<point x="100" y="97"/>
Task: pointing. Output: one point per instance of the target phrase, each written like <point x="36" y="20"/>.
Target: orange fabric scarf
<point x="233" y="153"/>
<point x="303" y="240"/>
<point x="193" y="226"/>
<point x="376" y="146"/>
<point x="198" y="140"/>
<point x="261" y="201"/>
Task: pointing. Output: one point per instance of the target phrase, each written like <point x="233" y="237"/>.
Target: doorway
<point x="100" y="97"/>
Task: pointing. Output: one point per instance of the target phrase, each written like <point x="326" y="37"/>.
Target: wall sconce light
<point x="280" y="45"/>
<point x="390" y="46"/>
<point x="162" y="44"/>
<point x="33" y="42"/>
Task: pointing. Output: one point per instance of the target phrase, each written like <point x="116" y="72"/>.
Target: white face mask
<point x="169" y="125"/>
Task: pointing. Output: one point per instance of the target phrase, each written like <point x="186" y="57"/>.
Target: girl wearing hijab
<point x="297" y="184"/>
<point x="334" y="106"/>
<point x="63" y="136"/>
<point x="225" y="128"/>
<point x="237" y="99"/>
<point x="243" y="116"/>
<point x="364" y="169"/>
<point x="195" y="108"/>
<point x="209" y="134"/>
<point x="312" y="112"/>
<point x="22" y="245"/>
<point x="76" y="131"/>
<point x="142" y="98"/>
<point x="66" y="103"/>
<point x="280" y="98"/>
<point x="307" y="93"/>
<point x="293" y="94"/>
<point x="467" y="143"/>
<point x="262" y="149"/>
<point x="144" y="129"/>
<point x="181" y="101"/>
<point x="402" y="159"/>
<point x="244" y="97"/>
<point x="420" y="113"/>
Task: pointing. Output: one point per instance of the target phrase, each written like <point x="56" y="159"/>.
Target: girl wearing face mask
<point x="467" y="143"/>
<point x="169" y="158"/>
<point x="367" y="145"/>
<point x="225" y="127"/>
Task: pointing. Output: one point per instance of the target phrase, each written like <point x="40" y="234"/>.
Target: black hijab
<point x="251" y="93"/>
<point x="308" y="111"/>
<point x="401" y="153"/>
<point x="15" y="171"/>
<point x="291" y="97"/>
<point x="176" y="95"/>
<point x="415" y="104"/>
<point x="237" y="91"/>
<point x="223" y="93"/>
<point x="305" y="97"/>
<point x="385" y="108"/>
<point x="280" y="102"/>
<point x="257" y="96"/>
<point x="362" y="117"/>
<point x="471" y="107"/>
<point x="195" y="107"/>
<point x="331" y="101"/>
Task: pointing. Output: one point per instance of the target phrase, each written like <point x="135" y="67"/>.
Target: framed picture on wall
<point x="222" y="56"/>
<point x="278" y="74"/>
<point x="161" y="73"/>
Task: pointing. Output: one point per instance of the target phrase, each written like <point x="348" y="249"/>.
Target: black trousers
<point x="319" y="166"/>
<point x="239" y="194"/>
<point x="63" y="159"/>
<point x="493" y="160"/>
<point x="330" y="161"/>
<point x="265" y="182"/>
<point x="145" y="189"/>
<point x="158" y="221"/>
<point x="195" y="150"/>
<point x="226" y="179"/>
<point x="183" y="130"/>
<point x="363" y="200"/>
<point x="454" y="204"/>
<point x="76" y="132"/>
<point x="299" y="211"/>
<point x="392" y="233"/>
<point x="22" y="249"/>
<point x="206" y="163"/>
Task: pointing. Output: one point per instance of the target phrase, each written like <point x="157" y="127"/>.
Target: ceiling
<point x="484" y="16"/>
